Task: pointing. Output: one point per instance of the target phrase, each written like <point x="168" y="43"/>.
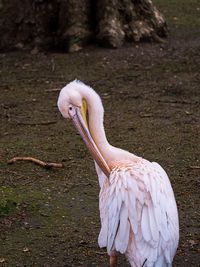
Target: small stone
<point x="25" y="249"/>
<point x="19" y="45"/>
<point x="2" y="260"/>
<point x="74" y="48"/>
<point x="35" y="51"/>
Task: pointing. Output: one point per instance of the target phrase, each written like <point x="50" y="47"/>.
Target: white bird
<point x="138" y="210"/>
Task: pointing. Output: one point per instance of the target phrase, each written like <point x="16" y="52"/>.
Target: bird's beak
<point x="79" y="120"/>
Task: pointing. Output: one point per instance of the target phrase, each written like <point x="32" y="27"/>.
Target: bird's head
<point x="71" y="100"/>
<point x="73" y="105"/>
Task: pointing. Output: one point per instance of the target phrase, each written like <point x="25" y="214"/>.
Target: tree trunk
<point x="71" y="24"/>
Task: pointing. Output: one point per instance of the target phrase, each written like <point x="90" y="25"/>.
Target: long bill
<point x="81" y="127"/>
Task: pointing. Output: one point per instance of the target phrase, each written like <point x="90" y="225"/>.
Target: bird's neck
<point x="97" y="131"/>
<point x="96" y="125"/>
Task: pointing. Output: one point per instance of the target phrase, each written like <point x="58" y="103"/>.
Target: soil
<point x="151" y="97"/>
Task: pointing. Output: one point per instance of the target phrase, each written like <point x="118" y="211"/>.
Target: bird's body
<point x="138" y="211"/>
<point x="138" y="214"/>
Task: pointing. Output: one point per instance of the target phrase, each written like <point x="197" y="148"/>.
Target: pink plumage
<point x="138" y="210"/>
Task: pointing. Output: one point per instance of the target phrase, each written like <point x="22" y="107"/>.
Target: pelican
<point x="138" y="211"/>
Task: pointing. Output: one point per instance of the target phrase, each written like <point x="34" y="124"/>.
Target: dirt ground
<point x="151" y="96"/>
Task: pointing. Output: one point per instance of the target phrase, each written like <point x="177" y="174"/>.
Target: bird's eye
<point x="71" y="111"/>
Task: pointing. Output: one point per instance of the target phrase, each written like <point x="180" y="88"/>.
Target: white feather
<point x="122" y="237"/>
<point x="146" y="231"/>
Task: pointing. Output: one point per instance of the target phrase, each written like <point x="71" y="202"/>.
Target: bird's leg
<point x="113" y="259"/>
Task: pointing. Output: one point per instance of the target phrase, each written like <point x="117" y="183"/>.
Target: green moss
<point x="7" y="206"/>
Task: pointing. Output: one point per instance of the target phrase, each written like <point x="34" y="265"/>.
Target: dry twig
<point x="38" y="123"/>
<point x="53" y="90"/>
<point x="194" y="167"/>
<point x="46" y="165"/>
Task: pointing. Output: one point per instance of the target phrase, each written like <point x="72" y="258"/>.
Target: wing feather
<point x="153" y="225"/>
<point x="146" y="231"/>
<point x="140" y="213"/>
<point x="122" y="237"/>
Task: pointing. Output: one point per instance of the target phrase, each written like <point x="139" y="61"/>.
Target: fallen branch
<point x="194" y="167"/>
<point x="179" y="102"/>
<point x="36" y="123"/>
<point x="53" y="90"/>
<point x="46" y="165"/>
<point x="145" y="115"/>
